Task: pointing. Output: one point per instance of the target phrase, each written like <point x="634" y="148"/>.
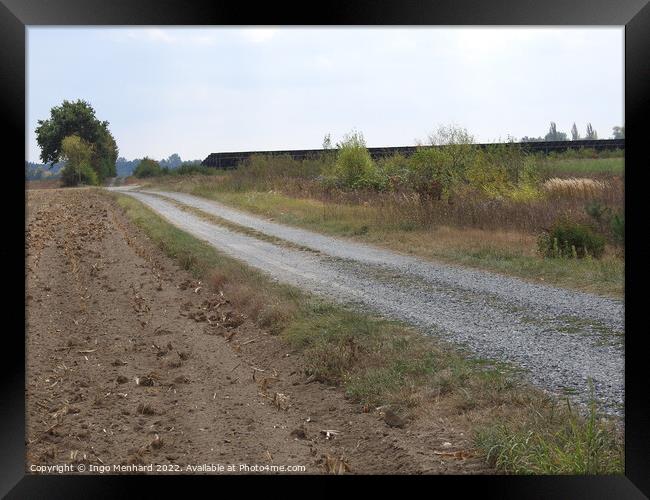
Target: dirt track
<point x="123" y="369"/>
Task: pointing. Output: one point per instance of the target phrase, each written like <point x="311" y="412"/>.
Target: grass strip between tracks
<point x="519" y="429"/>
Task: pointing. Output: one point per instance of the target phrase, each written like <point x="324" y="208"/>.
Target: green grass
<point x="577" y="446"/>
<point x="604" y="276"/>
<point x="377" y="362"/>
<point x="584" y="167"/>
<point x="234" y="227"/>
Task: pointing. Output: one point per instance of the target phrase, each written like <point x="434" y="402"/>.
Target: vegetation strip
<point x="506" y="252"/>
<point x="379" y="363"/>
<point x="234" y="227"/>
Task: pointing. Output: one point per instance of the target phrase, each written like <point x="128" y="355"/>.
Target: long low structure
<point x="232" y="159"/>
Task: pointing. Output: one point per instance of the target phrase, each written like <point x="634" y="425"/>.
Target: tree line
<point x="554" y="134"/>
<point x="76" y="140"/>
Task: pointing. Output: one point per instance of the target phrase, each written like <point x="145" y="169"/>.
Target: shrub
<point x="491" y="179"/>
<point x="354" y="167"/>
<point x="432" y="173"/>
<point x="600" y="214"/>
<point x="189" y="168"/>
<point x="571" y="240"/>
<point x="395" y="170"/>
<point x="436" y="171"/>
<point x="72" y="175"/>
<point x="618" y="227"/>
<point x="597" y="211"/>
<point x="524" y="192"/>
<point x="458" y="144"/>
<point x="147" y="168"/>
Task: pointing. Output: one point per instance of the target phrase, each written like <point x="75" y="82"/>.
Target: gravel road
<point x="561" y="338"/>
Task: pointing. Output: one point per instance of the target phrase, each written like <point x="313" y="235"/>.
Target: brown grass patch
<point x="578" y="188"/>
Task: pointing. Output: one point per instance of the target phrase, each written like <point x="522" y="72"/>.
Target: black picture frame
<point x="16" y="15"/>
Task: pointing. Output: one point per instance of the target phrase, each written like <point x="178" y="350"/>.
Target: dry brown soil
<point x="132" y="361"/>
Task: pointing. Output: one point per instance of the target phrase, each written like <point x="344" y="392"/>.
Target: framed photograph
<point x="386" y="239"/>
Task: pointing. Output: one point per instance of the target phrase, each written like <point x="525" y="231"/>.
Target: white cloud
<point x="170" y="36"/>
<point x="259" y="35"/>
<point x="159" y="35"/>
<point x="144" y="34"/>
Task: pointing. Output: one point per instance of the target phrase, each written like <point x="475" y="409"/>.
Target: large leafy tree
<point x="78" y="118"/>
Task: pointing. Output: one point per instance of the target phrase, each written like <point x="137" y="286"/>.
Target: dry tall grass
<point x="405" y="210"/>
<point x="470" y="209"/>
<point x="581" y="188"/>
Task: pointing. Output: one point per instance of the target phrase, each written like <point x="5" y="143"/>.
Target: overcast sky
<point x="195" y="91"/>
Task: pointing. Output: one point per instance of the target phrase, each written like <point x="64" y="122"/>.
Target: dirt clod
<point x="392" y="419"/>
<point x="145" y="409"/>
<point x="299" y="433"/>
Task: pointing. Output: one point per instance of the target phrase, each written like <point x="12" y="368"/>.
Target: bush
<point x="609" y="223"/>
<point x="437" y="170"/>
<point x="354" y="167"/>
<point x="394" y="170"/>
<point x="147" y="168"/>
<point x="189" y="168"/>
<point x="503" y="170"/>
<point x="571" y="240"/>
<point x="459" y="146"/>
<point x="617" y="225"/>
<point x="72" y="175"/>
<point x="432" y="173"/>
<point x="597" y="211"/>
<point x="487" y="177"/>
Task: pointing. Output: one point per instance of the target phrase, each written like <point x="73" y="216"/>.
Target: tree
<point x="105" y="154"/>
<point x="78" y="118"/>
<point x="554" y="135"/>
<point x="78" y="156"/>
<point x="147" y="168"/>
<point x="591" y="133"/>
<point x="173" y="161"/>
<point x="574" y="133"/>
<point x="450" y="135"/>
<point x="327" y="141"/>
<point x="618" y="132"/>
